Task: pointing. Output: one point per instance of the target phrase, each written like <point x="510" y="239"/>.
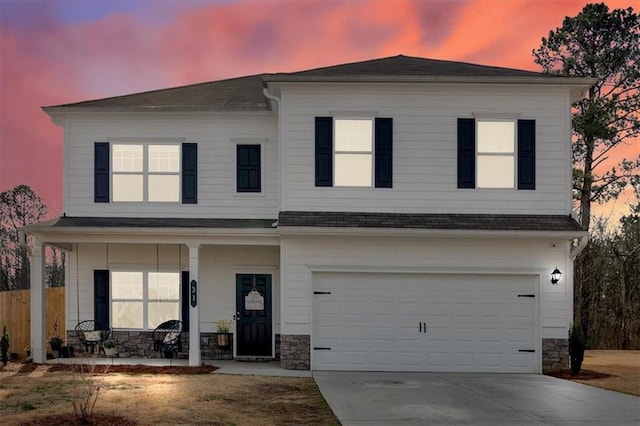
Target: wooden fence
<point x="15" y="313"/>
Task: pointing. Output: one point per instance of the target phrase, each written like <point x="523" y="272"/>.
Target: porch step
<point x="253" y="359"/>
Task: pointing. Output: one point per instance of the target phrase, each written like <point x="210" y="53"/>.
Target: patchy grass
<point x="613" y="370"/>
<point x="165" y="399"/>
<point x="622" y="366"/>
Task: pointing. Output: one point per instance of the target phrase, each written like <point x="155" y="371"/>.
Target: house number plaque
<point x="254" y="301"/>
<point x="194" y="293"/>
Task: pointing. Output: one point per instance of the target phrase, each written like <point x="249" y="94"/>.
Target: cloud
<point x="50" y="55"/>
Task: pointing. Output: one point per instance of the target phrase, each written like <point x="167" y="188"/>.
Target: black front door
<point x="253" y="315"/>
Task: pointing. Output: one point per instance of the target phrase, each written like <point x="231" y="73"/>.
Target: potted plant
<point x="222" y="328"/>
<point x="56" y="343"/>
<point x="110" y="347"/>
<point x="169" y="350"/>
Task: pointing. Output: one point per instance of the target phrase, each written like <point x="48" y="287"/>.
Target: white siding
<point x="425" y="147"/>
<point x="218" y="266"/>
<point x="303" y="255"/>
<point x="213" y="132"/>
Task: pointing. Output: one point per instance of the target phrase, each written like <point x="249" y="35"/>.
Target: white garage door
<point x="424" y="322"/>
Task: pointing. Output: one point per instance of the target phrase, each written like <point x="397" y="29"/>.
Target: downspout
<point x="277" y="101"/>
<point x="582" y="243"/>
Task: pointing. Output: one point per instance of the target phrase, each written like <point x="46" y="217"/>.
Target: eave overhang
<point x="577" y="86"/>
<point x="263" y="233"/>
<point x="431" y="233"/>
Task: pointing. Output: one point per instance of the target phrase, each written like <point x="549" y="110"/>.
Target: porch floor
<point x="242" y="368"/>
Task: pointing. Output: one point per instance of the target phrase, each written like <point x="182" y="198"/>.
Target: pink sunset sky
<point x="60" y="51"/>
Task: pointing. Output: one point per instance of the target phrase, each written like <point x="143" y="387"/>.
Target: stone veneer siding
<point x="133" y="344"/>
<point x="555" y="355"/>
<point x="277" y="346"/>
<point x="138" y="344"/>
<point x="295" y="351"/>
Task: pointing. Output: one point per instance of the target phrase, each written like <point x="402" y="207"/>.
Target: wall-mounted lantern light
<point x="555" y="276"/>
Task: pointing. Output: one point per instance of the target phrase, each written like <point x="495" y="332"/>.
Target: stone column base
<point x="295" y="351"/>
<point x="555" y="355"/>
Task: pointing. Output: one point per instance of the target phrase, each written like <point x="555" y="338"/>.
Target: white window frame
<point x="145" y="299"/>
<point x="513" y="154"/>
<point x="370" y="153"/>
<point x="145" y="173"/>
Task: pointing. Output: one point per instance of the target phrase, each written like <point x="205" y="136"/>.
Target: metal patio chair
<point x="92" y="334"/>
<point x="166" y="337"/>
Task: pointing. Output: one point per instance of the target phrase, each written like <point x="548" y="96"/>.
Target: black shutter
<point x="324" y="151"/>
<point x="186" y="300"/>
<point x="101" y="296"/>
<point x="189" y="173"/>
<point x="526" y="154"/>
<point x="384" y="153"/>
<point x="101" y="172"/>
<point x="248" y="168"/>
<point x="466" y="153"/>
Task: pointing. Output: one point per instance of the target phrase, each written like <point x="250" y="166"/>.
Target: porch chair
<point x="92" y="334"/>
<point x="167" y="336"/>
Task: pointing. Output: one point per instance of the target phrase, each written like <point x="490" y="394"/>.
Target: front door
<point x="253" y="315"/>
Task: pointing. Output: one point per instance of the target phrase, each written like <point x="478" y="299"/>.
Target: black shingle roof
<point x="137" y="222"/>
<point x="489" y="222"/>
<point x="402" y="65"/>
<point x="236" y="94"/>
<point x="246" y="93"/>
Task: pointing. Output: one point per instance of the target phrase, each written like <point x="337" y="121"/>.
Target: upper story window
<point x="145" y="172"/>
<point x="248" y="173"/>
<point x="495" y="153"/>
<point x="354" y="152"/>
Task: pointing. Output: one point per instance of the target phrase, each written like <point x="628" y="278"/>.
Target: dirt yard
<point x="623" y="366"/>
<point x="36" y="395"/>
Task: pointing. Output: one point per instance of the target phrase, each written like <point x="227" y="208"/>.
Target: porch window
<point x="143" y="300"/>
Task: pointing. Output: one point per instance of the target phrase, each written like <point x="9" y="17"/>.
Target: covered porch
<point x="132" y="274"/>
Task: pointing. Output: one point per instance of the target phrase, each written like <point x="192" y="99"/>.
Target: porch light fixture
<point x="555" y="276"/>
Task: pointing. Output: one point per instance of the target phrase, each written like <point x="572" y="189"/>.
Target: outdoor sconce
<point x="555" y="276"/>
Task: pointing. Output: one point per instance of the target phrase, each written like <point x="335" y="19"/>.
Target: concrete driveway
<point x="362" y="398"/>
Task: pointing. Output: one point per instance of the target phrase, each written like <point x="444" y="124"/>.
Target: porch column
<point x="194" y="311"/>
<point x="38" y="306"/>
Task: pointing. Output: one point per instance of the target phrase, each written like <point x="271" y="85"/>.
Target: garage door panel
<point x="376" y="322"/>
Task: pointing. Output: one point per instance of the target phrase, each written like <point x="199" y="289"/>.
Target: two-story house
<point x="397" y="214"/>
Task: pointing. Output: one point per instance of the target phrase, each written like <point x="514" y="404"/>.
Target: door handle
<point x="236" y="316"/>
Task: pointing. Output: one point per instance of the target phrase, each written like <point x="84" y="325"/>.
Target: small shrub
<point x="576" y="348"/>
<point x="27" y="406"/>
<point x="87" y="383"/>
